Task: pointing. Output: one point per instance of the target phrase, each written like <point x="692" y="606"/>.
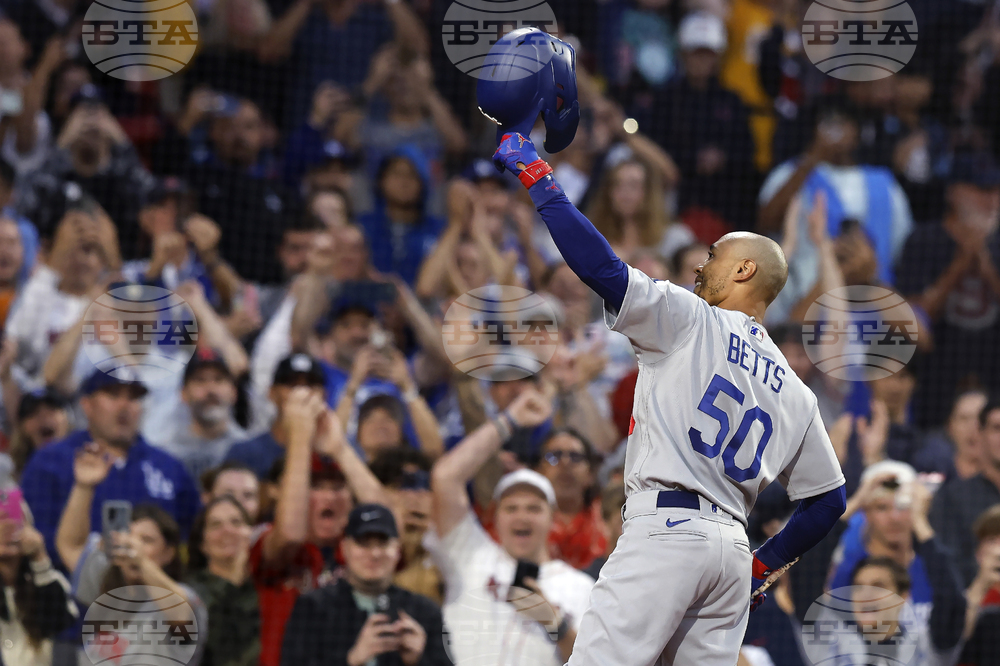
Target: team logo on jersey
<point x="757" y="332"/>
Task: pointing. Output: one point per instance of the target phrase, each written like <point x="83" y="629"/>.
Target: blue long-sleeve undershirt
<point x="585" y="250"/>
<point x="813" y="519"/>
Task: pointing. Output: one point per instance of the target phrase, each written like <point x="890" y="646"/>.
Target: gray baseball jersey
<point x="717" y="410"/>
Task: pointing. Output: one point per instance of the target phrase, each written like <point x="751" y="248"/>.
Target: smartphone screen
<point x="10" y="505"/>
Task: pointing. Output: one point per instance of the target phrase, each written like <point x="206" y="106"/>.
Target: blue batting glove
<point x="516" y="148"/>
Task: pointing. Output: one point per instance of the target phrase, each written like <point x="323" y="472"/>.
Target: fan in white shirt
<point x="489" y="621"/>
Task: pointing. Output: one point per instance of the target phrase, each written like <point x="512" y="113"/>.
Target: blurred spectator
<point x="25" y="250"/>
<point x="578" y="534"/>
<point x="637" y="46"/>
<point x="57" y="295"/>
<point x="298" y="552"/>
<point x="829" y="166"/>
<point x="210" y="393"/>
<point x="539" y="621"/>
<point x="297" y="239"/>
<point x="880" y="626"/>
<point x="238" y="481"/>
<point x="416" y="116"/>
<point x="42" y="419"/>
<point x="576" y="375"/>
<point x="950" y="271"/>
<point x="133" y="470"/>
<point x="376" y="621"/>
<point x="381" y="419"/>
<point x="705" y="128"/>
<point x="68" y="80"/>
<point x="238" y="189"/>
<point x="35" y="603"/>
<point x="399" y="230"/>
<point x="94" y="156"/>
<point x="335" y="41"/>
<point x="983" y="594"/>
<point x="184" y="246"/>
<point x="260" y="453"/>
<point x="887" y="517"/>
<point x="961" y="433"/>
<point x="959" y="502"/>
<point x="11" y="262"/>
<point x="312" y="143"/>
<point x="331" y="207"/>
<point x="405" y="474"/>
<point x="630" y="211"/>
<point x="612" y="501"/>
<point x="148" y="553"/>
<point x="219" y="549"/>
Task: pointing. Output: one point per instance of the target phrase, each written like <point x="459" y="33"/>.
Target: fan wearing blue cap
<point x="134" y="470"/>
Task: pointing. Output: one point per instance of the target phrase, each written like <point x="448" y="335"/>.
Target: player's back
<point x="717" y="410"/>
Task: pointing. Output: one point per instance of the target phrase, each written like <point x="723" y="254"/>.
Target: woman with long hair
<point x="219" y="550"/>
<point x="35" y="604"/>
<point x="630" y="210"/>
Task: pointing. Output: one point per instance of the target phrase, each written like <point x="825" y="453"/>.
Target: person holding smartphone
<point x="34" y="603"/>
<point x="368" y="619"/>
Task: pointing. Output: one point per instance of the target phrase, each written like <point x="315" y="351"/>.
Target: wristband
<point x="503" y="425"/>
<point x="534" y="172"/>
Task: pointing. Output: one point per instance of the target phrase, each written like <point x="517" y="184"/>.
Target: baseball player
<point x="717" y="416"/>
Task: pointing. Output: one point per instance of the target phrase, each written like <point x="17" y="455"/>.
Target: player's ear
<point x="745" y="269"/>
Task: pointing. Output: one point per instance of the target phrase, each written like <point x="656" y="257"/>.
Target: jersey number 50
<point x="707" y="405"/>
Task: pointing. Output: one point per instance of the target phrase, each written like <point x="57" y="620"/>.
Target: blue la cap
<point x="124" y="376"/>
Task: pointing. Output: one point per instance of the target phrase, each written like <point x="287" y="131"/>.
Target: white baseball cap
<point x="905" y="474"/>
<point x="701" y="30"/>
<point x="525" y="477"/>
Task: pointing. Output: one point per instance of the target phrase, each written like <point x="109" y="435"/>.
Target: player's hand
<point x="759" y="577"/>
<point x="514" y="153"/>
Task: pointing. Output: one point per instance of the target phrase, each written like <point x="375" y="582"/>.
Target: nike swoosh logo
<point x="675" y="523"/>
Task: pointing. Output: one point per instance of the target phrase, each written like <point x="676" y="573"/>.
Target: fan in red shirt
<point x="298" y="552"/>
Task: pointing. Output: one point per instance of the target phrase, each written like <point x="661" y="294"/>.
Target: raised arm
<point x="583" y="247"/>
<point x="331" y="442"/>
<point x="89" y="469"/>
<point x="457" y="467"/>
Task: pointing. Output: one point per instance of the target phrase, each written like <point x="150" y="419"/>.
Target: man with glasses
<point x="578" y="534"/>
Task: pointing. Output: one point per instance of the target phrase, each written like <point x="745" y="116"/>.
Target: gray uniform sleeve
<point x="814" y="467"/>
<point x="656" y="316"/>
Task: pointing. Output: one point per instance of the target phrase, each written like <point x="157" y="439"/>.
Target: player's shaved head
<point x="772" y="269"/>
<point x="744" y="271"/>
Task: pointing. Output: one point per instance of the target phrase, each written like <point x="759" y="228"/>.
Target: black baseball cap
<point x="87" y="94"/>
<point x="124" y="376"/>
<point x="296" y="366"/>
<point x="206" y="357"/>
<point x="165" y="188"/>
<point x="975" y="168"/>
<point x="30" y="403"/>
<point x="368" y="519"/>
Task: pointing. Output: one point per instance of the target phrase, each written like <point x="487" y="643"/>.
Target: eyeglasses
<point x="555" y="457"/>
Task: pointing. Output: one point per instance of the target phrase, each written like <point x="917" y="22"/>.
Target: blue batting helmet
<point x="528" y="72"/>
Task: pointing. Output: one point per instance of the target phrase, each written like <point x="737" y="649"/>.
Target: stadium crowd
<point x="319" y="482"/>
